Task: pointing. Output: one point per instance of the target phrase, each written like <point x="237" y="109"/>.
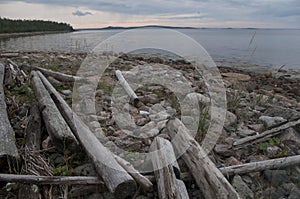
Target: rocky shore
<point x="256" y="102"/>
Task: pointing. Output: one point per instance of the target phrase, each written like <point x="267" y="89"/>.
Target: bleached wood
<point x="7" y="134"/>
<point x="209" y="179"/>
<point x="117" y="180"/>
<point x="265" y="135"/>
<point x="164" y="161"/>
<point x="57" y="75"/>
<point x="261" y="165"/>
<point x="139" y="178"/>
<point x="54" y="180"/>
<point x="125" y="85"/>
<point x="56" y="126"/>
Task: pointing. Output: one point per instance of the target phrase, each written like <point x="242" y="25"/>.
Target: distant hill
<point x="20" y="26"/>
<point x="134" y="27"/>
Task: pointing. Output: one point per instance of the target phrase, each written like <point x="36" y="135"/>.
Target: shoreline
<point x="249" y="68"/>
<point x="26" y="34"/>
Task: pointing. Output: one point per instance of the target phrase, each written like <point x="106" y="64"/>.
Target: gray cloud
<point x="80" y="13"/>
<point x="269" y="11"/>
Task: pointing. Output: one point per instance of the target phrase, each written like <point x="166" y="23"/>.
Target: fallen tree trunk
<point x="117" y="180"/>
<point x="7" y="134"/>
<point x="56" y="126"/>
<point x="53" y="180"/>
<point x="265" y="135"/>
<point x="164" y="160"/>
<point x="209" y="179"/>
<point x="57" y="75"/>
<point x="261" y="165"/>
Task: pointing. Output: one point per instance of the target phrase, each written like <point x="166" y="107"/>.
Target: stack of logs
<point x="65" y="127"/>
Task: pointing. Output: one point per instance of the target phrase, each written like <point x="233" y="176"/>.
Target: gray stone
<point x="224" y="150"/>
<point x="242" y="188"/>
<point x="257" y="127"/>
<point x="288" y="187"/>
<point x="272" y="192"/>
<point x="66" y="92"/>
<point x="156" y="108"/>
<point x="276" y="177"/>
<point x="85" y="170"/>
<point x="271" y="121"/>
<point x="295" y="193"/>
<point x="290" y="135"/>
<point x="246" y="132"/>
<point x="141" y="122"/>
<point x="171" y="111"/>
<point x="231" y="119"/>
<point x="163" y="115"/>
<point x="151" y="98"/>
<point x="187" y="120"/>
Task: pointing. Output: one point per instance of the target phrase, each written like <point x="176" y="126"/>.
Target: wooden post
<point x="117" y="180"/>
<point x="7" y="134"/>
<point x="209" y="179"/>
<point x="164" y="162"/>
<point x="56" y="126"/>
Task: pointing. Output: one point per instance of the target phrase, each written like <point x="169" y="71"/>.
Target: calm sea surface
<point x="267" y="48"/>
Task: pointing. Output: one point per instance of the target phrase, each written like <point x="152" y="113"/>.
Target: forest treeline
<point x="19" y="25"/>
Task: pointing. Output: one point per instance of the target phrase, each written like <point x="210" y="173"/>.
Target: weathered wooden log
<point x="56" y="126"/>
<point x="33" y="141"/>
<point x="91" y="180"/>
<point x="14" y="73"/>
<point x="7" y="134"/>
<point x="265" y="135"/>
<point x="164" y="160"/>
<point x="140" y="179"/>
<point x="209" y="179"/>
<point x="261" y="165"/>
<point x="117" y="180"/>
<point x="128" y="89"/>
<point x="51" y="180"/>
<point x="57" y="75"/>
<point x="34" y="128"/>
<point x="19" y="69"/>
<point x="125" y="85"/>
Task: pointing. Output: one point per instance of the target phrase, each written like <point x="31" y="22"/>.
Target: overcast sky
<point x="197" y="13"/>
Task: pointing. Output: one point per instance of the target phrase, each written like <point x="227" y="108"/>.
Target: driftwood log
<point x="209" y="179"/>
<point x="53" y="180"/>
<point x="265" y="135"/>
<point x="140" y="179"/>
<point x="261" y="165"/>
<point x="164" y="162"/>
<point x="7" y="134"/>
<point x="90" y="180"/>
<point x="59" y="131"/>
<point x="129" y="90"/>
<point x="57" y="75"/>
<point x="117" y="180"/>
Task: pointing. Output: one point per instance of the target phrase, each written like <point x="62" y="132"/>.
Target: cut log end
<point x="126" y="189"/>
